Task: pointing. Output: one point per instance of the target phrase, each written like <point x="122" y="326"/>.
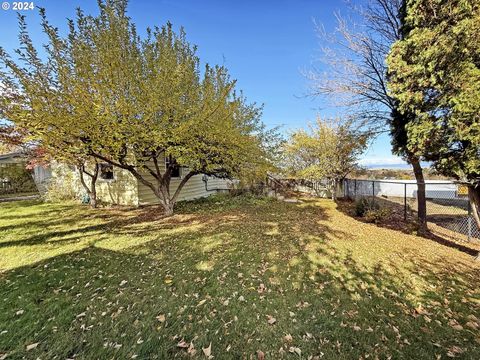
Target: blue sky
<point x="265" y="45"/>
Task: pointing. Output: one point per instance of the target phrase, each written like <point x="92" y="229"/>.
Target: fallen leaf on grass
<point x="32" y="346"/>
<point x="208" y="351"/>
<point x="261" y="288"/>
<point x="419" y="310"/>
<point x="271" y="320"/>
<point x="182" y="344"/>
<point x="260" y="355"/>
<point x="454" y="351"/>
<point x="20" y="312"/>
<point x="295" y="350"/>
<point x="455" y="325"/>
<point x="473" y="318"/>
<point x="161" y="318"/>
<point x="191" y="350"/>
<point x="472" y="325"/>
<point x="288" y="338"/>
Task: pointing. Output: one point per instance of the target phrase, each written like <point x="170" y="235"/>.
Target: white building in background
<point x="434" y="189"/>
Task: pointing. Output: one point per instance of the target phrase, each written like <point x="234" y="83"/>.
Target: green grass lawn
<point x="240" y="277"/>
<point x="17" y="195"/>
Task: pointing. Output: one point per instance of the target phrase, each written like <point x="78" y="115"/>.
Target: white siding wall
<point x="122" y="190"/>
<point x="41" y="176"/>
<point x="193" y="189"/>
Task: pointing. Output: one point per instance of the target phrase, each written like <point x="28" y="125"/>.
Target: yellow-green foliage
<point x="329" y="150"/>
<point x="104" y="92"/>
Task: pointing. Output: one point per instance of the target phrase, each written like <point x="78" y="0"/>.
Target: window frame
<point x="100" y="171"/>
<point x="168" y="159"/>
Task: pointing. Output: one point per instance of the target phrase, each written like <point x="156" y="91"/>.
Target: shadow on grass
<point x="219" y="275"/>
<point x="395" y="221"/>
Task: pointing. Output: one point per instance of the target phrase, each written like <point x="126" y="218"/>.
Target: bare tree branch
<point x="353" y="59"/>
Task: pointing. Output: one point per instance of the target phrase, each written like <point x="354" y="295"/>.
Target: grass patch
<point x="292" y="280"/>
<point x="17" y="195"/>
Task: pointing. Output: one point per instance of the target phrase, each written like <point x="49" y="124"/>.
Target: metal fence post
<point x="373" y="192"/>
<point x="469" y="221"/>
<point x="405" y="202"/>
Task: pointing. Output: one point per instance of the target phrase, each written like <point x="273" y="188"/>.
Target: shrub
<point x="19" y="179"/>
<point x="363" y="205"/>
<point x="376" y="215"/>
<point x="251" y="189"/>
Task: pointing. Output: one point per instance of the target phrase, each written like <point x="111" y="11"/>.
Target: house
<point x="40" y="174"/>
<point x="118" y="186"/>
<point x="12" y="158"/>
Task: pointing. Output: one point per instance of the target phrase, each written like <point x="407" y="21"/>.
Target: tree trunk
<point x="421" y="198"/>
<point x="334" y="190"/>
<point x="168" y="209"/>
<point x="163" y="193"/>
<point x="474" y="198"/>
<point x="93" y="197"/>
<point x="161" y="186"/>
<point x="92" y="189"/>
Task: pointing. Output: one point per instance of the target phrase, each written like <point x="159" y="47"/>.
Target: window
<point x="175" y="168"/>
<point x="106" y="171"/>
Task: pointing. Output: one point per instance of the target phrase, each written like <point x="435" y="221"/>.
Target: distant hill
<point x="395" y="166"/>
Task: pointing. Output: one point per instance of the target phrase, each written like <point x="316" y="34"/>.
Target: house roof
<point x="13" y="157"/>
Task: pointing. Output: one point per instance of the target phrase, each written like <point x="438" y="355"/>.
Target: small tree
<point x="128" y="101"/>
<point x="356" y="77"/>
<point x="329" y="150"/>
<point x="435" y="73"/>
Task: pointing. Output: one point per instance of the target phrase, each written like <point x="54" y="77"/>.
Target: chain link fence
<point x="448" y="209"/>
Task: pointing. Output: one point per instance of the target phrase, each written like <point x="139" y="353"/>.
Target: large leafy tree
<point x="10" y="141"/>
<point x="329" y="150"/>
<point x="129" y="101"/>
<point x="355" y="76"/>
<point x="435" y="73"/>
<point x="35" y="120"/>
